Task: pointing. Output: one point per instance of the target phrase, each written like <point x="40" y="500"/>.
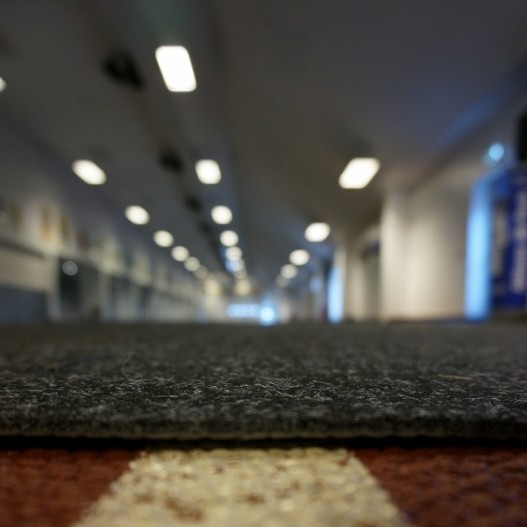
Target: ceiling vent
<point x="121" y="68"/>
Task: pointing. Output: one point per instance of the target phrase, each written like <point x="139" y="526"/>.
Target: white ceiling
<point x="288" y="92"/>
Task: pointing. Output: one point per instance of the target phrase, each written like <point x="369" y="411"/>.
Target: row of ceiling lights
<point x="176" y="68"/>
<point x="315" y="232"/>
<point x="178" y="74"/>
<point x="357" y="174"/>
<point x="92" y="174"/>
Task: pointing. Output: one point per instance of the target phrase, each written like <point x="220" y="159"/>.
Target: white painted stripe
<point x="303" y="487"/>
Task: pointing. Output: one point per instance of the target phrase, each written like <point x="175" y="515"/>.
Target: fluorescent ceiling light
<point x="201" y="273"/>
<point x="176" y="68"/>
<point x="228" y="238"/>
<point x="208" y="171"/>
<point x="317" y="232"/>
<point x="282" y="282"/>
<point x="235" y="266"/>
<point x="89" y="172"/>
<point x="242" y="287"/>
<point x="221" y="214"/>
<point x="359" y="172"/>
<point x="163" y="238"/>
<point x="289" y="271"/>
<point x="137" y="215"/>
<point x="233" y="253"/>
<point x="212" y="287"/>
<point x="3" y="84"/>
<point x="299" y="257"/>
<point x="180" y="253"/>
<point x="192" y="264"/>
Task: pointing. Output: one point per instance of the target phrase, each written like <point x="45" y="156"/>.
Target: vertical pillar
<point x="393" y="260"/>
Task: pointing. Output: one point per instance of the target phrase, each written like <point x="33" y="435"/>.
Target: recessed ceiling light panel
<point x="212" y="287"/>
<point x="281" y="281"/>
<point x="317" y="232"/>
<point x="176" y="68"/>
<point x="235" y="266"/>
<point x="228" y="238"/>
<point x="289" y="271"/>
<point x="359" y="172"/>
<point x="89" y="172"/>
<point x="233" y="253"/>
<point x="299" y="257"/>
<point x="137" y="215"/>
<point x="192" y="264"/>
<point x="221" y="215"/>
<point x="243" y="288"/>
<point x="208" y="171"/>
<point x="180" y="253"/>
<point x="3" y="84"/>
<point x="163" y="238"/>
<point x="201" y="273"/>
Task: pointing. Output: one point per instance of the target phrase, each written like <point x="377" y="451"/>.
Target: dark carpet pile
<point x="240" y="382"/>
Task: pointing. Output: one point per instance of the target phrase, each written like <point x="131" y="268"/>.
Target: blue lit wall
<point x="479" y="249"/>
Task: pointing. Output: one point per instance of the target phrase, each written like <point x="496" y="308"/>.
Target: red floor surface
<point x="53" y="483"/>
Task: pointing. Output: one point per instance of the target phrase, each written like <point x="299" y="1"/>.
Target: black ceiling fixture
<point x="193" y="203"/>
<point x="121" y="68"/>
<point x="171" y="161"/>
<point x="206" y="229"/>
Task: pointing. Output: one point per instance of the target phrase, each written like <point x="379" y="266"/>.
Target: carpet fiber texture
<point x="193" y="382"/>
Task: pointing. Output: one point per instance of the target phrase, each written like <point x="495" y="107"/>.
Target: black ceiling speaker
<point x="521" y="138"/>
<point x="121" y="68"/>
<point x="171" y="161"/>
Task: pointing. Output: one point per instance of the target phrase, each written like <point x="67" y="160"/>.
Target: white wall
<point x="394" y="254"/>
<point x="423" y="230"/>
<point x="423" y="239"/>
<point x="363" y="287"/>
<point x="435" y="245"/>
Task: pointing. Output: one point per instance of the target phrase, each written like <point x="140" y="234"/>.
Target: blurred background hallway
<point x="262" y="161"/>
<point x="349" y="174"/>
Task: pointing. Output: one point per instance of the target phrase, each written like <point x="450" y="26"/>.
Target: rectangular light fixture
<point x="89" y="172"/>
<point x="176" y="68"/>
<point x="359" y="172"/>
<point x="208" y="171"/>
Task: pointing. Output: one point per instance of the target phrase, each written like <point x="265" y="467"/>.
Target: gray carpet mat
<point x="195" y="382"/>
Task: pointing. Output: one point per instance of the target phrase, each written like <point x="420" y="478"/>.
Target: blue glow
<point x="496" y="152"/>
<point x="335" y="296"/>
<point x="267" y="315"/>
<point x="479" y="249"/>
<point x="243" y="311"/>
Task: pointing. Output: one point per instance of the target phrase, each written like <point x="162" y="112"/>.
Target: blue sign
<point x="509" y="239"/>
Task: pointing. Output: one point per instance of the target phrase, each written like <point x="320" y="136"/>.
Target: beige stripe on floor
<point x="303" y="487"/>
